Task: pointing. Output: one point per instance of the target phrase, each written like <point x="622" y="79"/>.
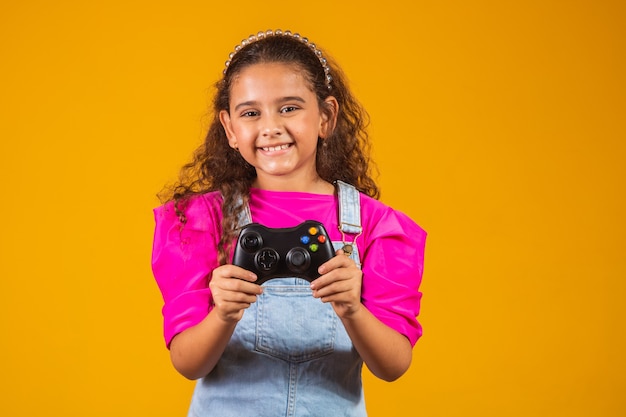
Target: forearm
<point x="196" y="351"/>
<point x="386" y="352"/>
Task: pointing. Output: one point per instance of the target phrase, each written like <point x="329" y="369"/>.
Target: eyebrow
<point x="280" y="100"/>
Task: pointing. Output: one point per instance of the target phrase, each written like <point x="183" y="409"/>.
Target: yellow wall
<point x="498" y="126"/>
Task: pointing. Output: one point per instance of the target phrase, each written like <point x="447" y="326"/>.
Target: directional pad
<point x="267" y="259"/>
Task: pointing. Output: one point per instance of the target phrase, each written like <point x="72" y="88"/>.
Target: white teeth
<point x="275" y="148"/>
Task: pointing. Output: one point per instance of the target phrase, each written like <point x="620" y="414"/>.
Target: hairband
<point x="262" y="35"/>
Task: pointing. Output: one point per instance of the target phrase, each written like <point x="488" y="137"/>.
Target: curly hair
<point x="344" y="154"/>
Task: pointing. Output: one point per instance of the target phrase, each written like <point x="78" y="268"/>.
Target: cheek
<point x="311" y="127"/>
<point x="243" y="132"/>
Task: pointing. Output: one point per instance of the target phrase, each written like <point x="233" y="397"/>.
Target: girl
<point x="287" y="144"/>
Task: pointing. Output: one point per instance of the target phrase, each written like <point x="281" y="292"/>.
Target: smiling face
<point x="274" y="120"/>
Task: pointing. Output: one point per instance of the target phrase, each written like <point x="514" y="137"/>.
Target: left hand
<point x="340" y="284"/>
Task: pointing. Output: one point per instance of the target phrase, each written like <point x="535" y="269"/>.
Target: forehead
<point x="271" y="76"/>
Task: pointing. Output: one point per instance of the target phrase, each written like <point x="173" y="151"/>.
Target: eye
<point x="250" y="113"/>
<point x="288" y="109"/>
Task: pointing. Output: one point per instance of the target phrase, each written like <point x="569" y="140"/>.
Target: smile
<point x="276" y="148"/>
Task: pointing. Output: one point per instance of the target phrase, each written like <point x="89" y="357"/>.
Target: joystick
<point x="283" y="252"/>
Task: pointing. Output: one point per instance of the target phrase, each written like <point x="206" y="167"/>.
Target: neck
<point x="314" y="185"/>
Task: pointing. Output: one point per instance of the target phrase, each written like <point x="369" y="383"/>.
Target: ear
<point x="328" y="117"/>
<point x="228" y="128"/>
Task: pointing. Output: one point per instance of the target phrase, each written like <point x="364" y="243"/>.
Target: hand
<point x="340" y="284"/>
<point x="233" y="290"/>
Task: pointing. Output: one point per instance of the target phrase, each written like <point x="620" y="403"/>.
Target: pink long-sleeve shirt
<point x="391" y="248"/>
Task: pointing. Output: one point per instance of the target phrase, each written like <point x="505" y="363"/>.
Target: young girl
<point x="287" y="144"/>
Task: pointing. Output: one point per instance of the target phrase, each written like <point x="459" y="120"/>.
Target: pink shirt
<point x="391" y="249"/>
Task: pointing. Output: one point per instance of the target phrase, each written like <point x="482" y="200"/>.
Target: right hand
<point x="233" y="290"/>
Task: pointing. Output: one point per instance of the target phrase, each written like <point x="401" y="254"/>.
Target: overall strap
<point x="244" y="216"/>
<point x="349" y="208"/>
<point x="349" y="218"/>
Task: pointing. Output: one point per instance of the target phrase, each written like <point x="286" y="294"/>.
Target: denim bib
<point x="290" y="354"/>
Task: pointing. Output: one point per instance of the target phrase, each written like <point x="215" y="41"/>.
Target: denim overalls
<point x="290" y="354"/>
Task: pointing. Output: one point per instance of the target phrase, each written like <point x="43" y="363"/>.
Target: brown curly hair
<point x="344" y="155"/>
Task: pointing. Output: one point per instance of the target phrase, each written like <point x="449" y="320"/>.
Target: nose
<point x="272" y="126"/>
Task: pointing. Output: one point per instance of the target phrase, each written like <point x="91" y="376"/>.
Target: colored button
<point x="313" y="247"/>
<point x="321" y="238"/>
<point x="313" y="231"/>
<point x="305" y="239"/>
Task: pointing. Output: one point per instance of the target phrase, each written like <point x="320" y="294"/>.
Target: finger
<point x="349" y="273"/>
<point x="339" y="261"/>
<point x="230" y="301"/>
<point x="234" y="271"/>
<point x="237" y="286"/>
<point x="345" y="299"/>
<point x="336" y="287"/>
<point x="231" y="311"/>
<point x="233" y="297"/>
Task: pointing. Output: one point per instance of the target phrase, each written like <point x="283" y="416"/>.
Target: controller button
<point x="298" y="259"/>
<point x="251" y="241"/>
<point x="305" y="239"/>
<point x="313" y="247"/>
<point x="267" y="259"/>
<point x="313" y="230"/>
<point x="321" y="239"/>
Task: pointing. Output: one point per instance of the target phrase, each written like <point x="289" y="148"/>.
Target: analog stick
<point x="298" y="259"/>
<point x="252" y="241"/>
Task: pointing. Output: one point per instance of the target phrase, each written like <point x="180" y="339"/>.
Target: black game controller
<point x="285" y="252"/>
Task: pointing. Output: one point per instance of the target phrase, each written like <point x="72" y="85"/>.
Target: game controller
<point x="283" y="252"/>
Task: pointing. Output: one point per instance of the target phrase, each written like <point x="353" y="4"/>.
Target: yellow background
<point x="498" y="126"/>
